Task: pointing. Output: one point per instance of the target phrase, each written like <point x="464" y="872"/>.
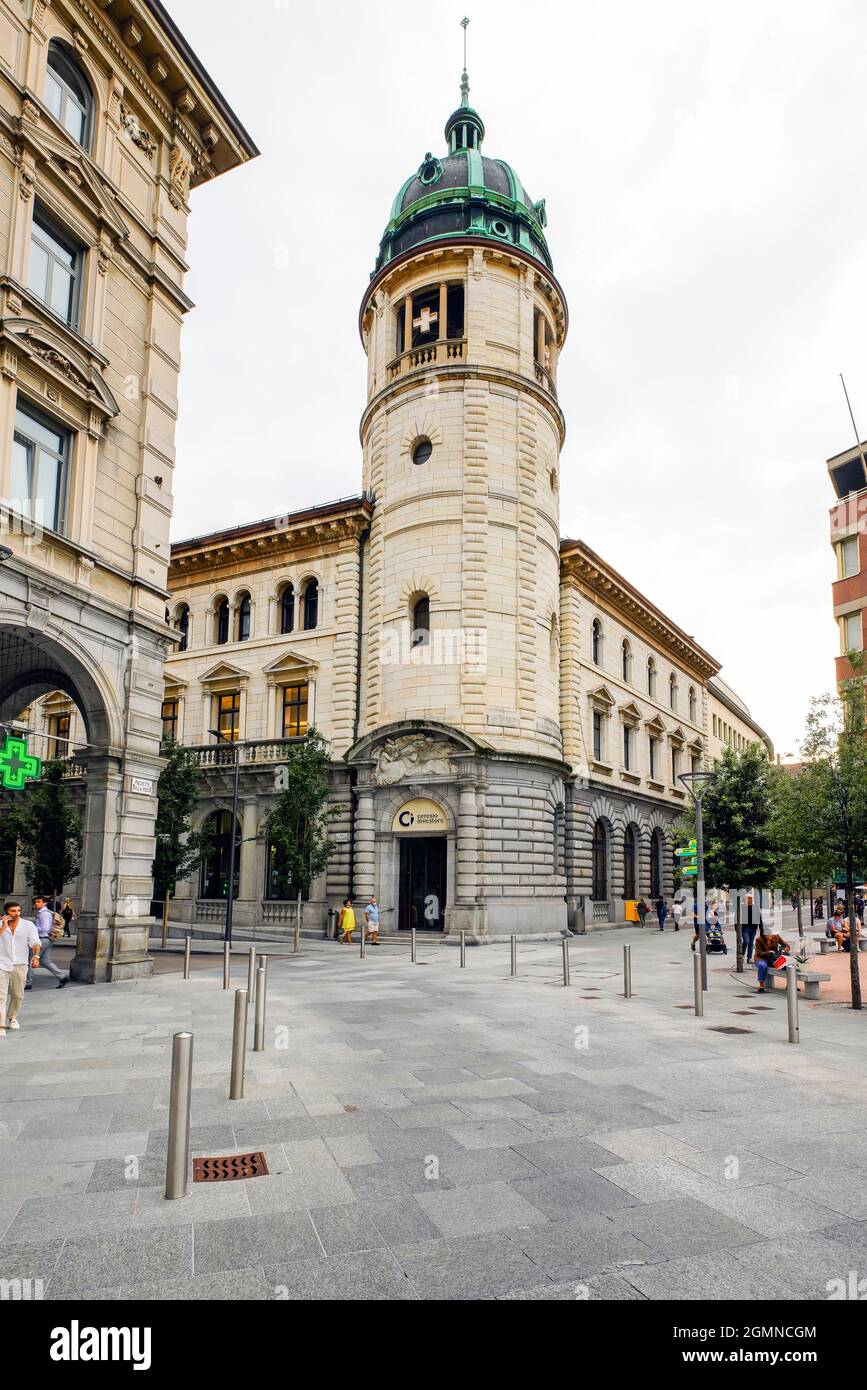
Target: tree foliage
<point x="298" y="822"/>
<point x="49" y="832"/>
<point x="737" y="809"/>
<point x="179" y="849"/>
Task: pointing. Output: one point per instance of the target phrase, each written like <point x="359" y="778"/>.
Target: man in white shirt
<point x="19" y="946"/>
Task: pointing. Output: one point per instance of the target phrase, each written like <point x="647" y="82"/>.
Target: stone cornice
<point x="269" y="542"/>
<point x="460" y="371"/>
<point x="581" y="567"/>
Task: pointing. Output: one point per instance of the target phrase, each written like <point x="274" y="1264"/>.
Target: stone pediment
<point x="656" y="727"/>
<point x="223" y="671"/>
<point x="677" y="735"/>
<point x="602" y="696"/>
<point x="54" y="352"/>
<point x="73" y="166"/>
<point x="630" y="713"/>
<point x="289" y="663"/>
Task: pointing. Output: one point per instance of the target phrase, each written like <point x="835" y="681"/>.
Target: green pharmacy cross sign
<point x="17" y="766"/>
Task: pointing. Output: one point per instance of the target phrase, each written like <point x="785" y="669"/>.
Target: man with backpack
<point x="50" y="926"/>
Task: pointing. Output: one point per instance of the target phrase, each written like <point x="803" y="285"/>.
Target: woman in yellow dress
<point x="347" y="921"/>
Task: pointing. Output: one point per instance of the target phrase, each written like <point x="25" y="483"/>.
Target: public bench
<point x="828" y="945"/>
<point x="810" y="979"/>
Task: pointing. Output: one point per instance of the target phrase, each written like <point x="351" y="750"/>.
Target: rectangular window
<point x="54" y="275"/>
<point x="295" y="702"/>
<point x="229" y="715"/>
<point x="675" y="765"/>
<point x="40" y="465"/>
<point x="597" y="736"/>
<point x="852" y="638"/>
<point x="627" y="747"/>
<point x="170" y="719"/>
<point x="849" y="561"/>
<point x="651" y="748"/>
<point x="58" y="736"/>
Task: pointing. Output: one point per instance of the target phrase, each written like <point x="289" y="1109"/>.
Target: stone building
<point x="107" y="120"/>
<point x="508" y="717"/>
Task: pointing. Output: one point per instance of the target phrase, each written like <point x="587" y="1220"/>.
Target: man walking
<point x="371" y="915"/>
<point x="45" y="926"/>
<point x="750" y="927"/>
<point x="19" y="946"/>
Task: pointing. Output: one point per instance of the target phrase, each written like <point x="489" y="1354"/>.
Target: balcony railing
<point x="545" y="379"/>
<point x="252" y="753"/>
<point x="432" y="354"/>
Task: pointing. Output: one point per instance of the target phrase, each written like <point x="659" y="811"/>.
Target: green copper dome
<point x="464" y="194"/>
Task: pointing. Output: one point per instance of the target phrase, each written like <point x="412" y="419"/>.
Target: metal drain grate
<point x="729" y="1028"/>
<point x="229" y="1168"/>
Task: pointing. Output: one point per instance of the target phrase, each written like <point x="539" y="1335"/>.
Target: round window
<point x="422" y="451"/>
<point x="499" y="228"/>
<point x="430" y="170"/>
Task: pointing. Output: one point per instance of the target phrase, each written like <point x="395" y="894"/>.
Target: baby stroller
<point x="715" y="942"/>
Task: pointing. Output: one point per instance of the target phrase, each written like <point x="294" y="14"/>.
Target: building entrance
<point x="422" y="900"/>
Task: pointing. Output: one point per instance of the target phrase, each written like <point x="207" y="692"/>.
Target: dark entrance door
<point x="422" y="883"/>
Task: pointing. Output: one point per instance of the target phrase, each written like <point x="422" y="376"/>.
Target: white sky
<point x="704" y="175"/>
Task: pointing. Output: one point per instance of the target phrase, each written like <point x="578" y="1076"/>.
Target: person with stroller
<point x="768" y="948"/>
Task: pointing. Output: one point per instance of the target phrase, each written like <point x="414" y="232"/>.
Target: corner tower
<point x="463" y="323"/>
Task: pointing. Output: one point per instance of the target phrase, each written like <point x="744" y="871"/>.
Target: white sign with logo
<point x="419" y="817"/>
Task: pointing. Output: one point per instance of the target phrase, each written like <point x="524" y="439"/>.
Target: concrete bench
<point x="810" y="979"/>
<point x="828" y="945"/>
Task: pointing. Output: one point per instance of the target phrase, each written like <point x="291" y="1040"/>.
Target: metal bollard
<point x="412" y="944"/>
<point x="361" y="942"/>
<point x="514" y="944"/>
<point x="463" y="949"/>
<point x="239" y="1046"/>
<point x="627" y="972"/>
<point x="792" y="1002"/>
<point x="696" y="977"/>
<point x="187" y="958"/>
<point x="178" y="1151"/>
<point x="259" y="1028"/>
<point x="566" y="972"/>
<point x="251" y="975"/>
<point x="227" y="956"/>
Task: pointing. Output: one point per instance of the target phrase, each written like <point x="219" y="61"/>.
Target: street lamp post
<point x="236" y="748"/>
<point x="697" y="783"/>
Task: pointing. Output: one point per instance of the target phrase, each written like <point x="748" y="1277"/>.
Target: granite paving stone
<point x="478" y="1210"/>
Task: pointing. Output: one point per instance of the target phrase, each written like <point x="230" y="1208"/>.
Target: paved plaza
<point x="438" y="1133"/>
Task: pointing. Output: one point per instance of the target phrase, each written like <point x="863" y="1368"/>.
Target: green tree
<point x="298" y="822"/>
<point x="801" y="862"/>
<point x="8" y="841"/>
<point x="179" y="849"/>
<point x="49" y="833"/>
<point x="830" y="791"/>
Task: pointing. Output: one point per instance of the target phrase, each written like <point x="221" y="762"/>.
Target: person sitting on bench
<point x="767" y="950"/>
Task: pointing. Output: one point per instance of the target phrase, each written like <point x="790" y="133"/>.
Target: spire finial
<point x="465" y="81"/>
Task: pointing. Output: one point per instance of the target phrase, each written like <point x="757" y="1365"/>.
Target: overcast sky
<point x="704" y="175"/>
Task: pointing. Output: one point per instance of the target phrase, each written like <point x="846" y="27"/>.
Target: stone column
<point x="365" y="844"/>
<point x="112" y="924"/>
<point x="250" y="880"/>
<point x="467" y="847"/>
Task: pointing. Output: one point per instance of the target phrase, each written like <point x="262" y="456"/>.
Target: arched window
<point x="221" y="622"/>
<point x="651" y="677"/>
<point x="311" y="605"/>
<point x="693" y="704"/>
<point x="68" y="95"/>
<point x="626" y="659"/>
<point x="596" y="641"/>
<point x="630" y="856"/>
<point x="214" y="876"/>
<point x="287" y="609"/>
<point x="421" y="622"/>
<point x="656" y="851"/>
<point x="672" y="691"/>
<point x="600" y="862"/>
<point x="244" y="616"/>
<point x="182" y="625"/>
